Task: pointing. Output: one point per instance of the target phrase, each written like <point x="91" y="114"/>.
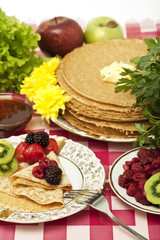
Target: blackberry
<point x="41" y="138"/>
<point x="30" y="138"/>
<point x="53" y="175"/>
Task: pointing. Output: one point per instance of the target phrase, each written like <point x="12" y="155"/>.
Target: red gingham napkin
<point x="144" y="29"/>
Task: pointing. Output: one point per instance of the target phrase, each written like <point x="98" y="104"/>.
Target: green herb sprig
<point x="144" y="83"/>
<point x="18" y="44"/>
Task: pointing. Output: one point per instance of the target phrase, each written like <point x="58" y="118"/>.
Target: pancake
<point x="95" y="106"/>
<point x="81" y="69"/>
<point x="104" y="128"/>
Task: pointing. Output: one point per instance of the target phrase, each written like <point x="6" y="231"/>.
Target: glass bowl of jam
<point x="15" y="112"/>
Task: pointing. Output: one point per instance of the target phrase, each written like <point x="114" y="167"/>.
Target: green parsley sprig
<point x="144" y="83"/>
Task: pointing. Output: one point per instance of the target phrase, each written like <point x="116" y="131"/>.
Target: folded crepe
<point x="24" y="183"/>
<point x="24" y="192"/>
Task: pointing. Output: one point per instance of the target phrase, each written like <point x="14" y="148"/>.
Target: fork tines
<point x="82" y="195"/>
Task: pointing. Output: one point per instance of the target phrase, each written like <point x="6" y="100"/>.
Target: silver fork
<point x="98" y="201"/>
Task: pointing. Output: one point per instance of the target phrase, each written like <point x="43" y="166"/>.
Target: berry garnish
<point x="44" y="162"/>
<point x="20" y="151"/>
<point x="41" y="138"/>
<point x="53" y="175"/>
<point x="30" y="138"/>
<point x="53" y="163"/>
<point x="52" y="146"/>
<point x="38" y="172"/>
<point x="33" y="153"/>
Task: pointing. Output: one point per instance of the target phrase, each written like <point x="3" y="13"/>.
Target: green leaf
<point x="18" y="44"/>
<point x="144" y="83"/>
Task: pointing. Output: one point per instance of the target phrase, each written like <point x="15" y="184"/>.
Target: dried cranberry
<point x="155" y="171"/>
<point x="132" y="190"/>
<point x="128" y="164"/>
<point x="141" y="184"/>
<point x="156" y="152"/>
<point x="128" y="172"/>
<point x="134" y="160"/>
<point x="136" y="167"/>
<point x="125" y="167"/>
<point x="156" y="162"/>
<point x="141" y="198"/>
<point x="38" y="172"/>
<point x="148" y="170"/>
<point x="44" y="162"/>
<point x="145" y="155"/>
<point x="124" y="181"/>
<point x="138" y="176"/>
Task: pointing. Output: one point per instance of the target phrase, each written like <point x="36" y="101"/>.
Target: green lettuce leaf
<point x="18" y="44"/>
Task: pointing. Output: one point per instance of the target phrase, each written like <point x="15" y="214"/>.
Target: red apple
<point x="59" y="36"/>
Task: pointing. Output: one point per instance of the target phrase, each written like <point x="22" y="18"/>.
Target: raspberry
<point x="156" y="162"/>
<point x="141" y="198"/>
<point x="52" y="146"/>
<point x="38" y="172"/>
<point x="44" y="162"/>
<point x="30" y="138"/>
<point x="33" y="153"/>
<point x="52" y="163"/>
<point x="138" y="176"/>
<point x="20" y="151"/>
<point x="41" y="138"/>
<point x="132" y="190"/>
<point x="53" y="175"/>
<point x="136" y="167"/>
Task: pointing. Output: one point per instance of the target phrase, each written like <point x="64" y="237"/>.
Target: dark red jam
<point x="14" y="115"/>
<point x="12" y="111"/>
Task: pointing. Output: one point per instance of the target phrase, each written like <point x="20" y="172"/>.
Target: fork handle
<point x="139" y="236"/>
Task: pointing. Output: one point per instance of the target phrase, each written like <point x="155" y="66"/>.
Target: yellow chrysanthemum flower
<point x="49" y="101"/>
<point x="40" y="77"/>
<point x="42" y="89"/>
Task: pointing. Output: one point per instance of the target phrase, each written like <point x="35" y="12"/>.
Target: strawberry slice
<point x="52" y="146"/>
<point x="20" y="150"/>
<point x="33" y="153"/>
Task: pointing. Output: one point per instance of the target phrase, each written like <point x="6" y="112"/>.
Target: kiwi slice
<point x="8" y="169"/>
<point x="6" y="152"/>
<point x="152" y="189"/>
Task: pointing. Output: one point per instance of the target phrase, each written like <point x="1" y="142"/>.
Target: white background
<point x="121" y="10"/>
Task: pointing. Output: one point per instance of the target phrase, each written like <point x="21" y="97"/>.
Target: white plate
<point x="115" y="171"/>
<point x="84" y="170"/>
<point x="60" y="121"/>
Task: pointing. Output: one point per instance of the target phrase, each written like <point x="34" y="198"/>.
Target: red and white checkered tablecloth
<point x="90" y="224"/>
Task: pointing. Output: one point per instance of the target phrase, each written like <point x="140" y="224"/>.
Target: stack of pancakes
<point x="95" y="106"/>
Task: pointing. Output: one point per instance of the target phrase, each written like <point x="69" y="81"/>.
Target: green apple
<point x="102" y="29"/>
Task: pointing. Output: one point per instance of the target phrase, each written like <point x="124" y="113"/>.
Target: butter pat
<point x="112" y="72"/>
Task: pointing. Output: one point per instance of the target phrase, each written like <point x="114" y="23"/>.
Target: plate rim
<point x="120" y="196"/>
